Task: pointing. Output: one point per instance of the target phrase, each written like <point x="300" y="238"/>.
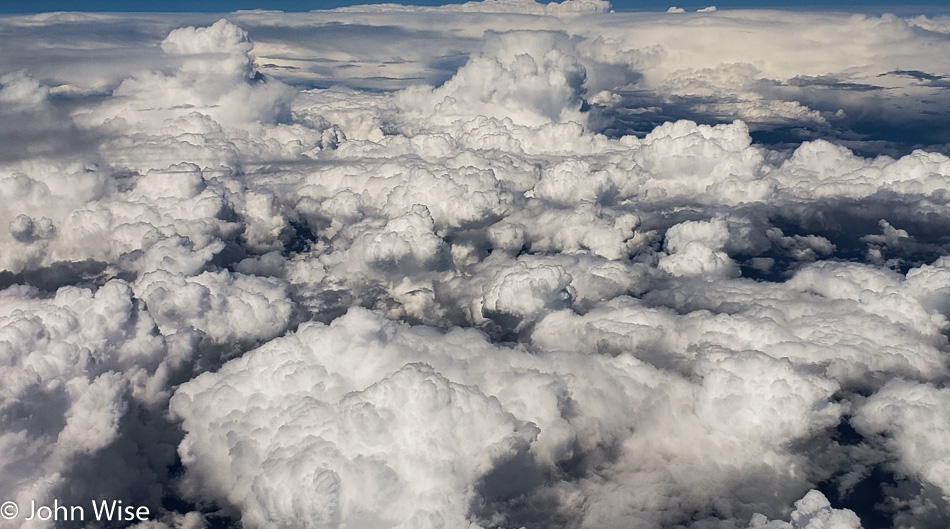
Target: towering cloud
<point x="528" y="77"/>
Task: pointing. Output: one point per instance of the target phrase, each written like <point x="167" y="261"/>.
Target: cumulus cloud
<point x="529" y="77"/>
<point x="31" y="125"/>
<point x="404" y="449"/>
<point x="558" y="267"/>
<point x="912" y="416"/>
<point x="812" y="512"/>
<point x="695" y="248"/>
<point x="215" y="76"/>
<point x="76" y="365"/>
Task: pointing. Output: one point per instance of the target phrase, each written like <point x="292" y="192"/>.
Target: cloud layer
<point x="548" y="273"/>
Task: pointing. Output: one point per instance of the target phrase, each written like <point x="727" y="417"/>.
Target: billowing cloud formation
<point x="216" y="78"/>
<point x="324" y="384"/>
<point x="522" y="76"/>
<point x="908" y="418"/>
<point x="372" y="447"/>
<point x="509" y="289"/>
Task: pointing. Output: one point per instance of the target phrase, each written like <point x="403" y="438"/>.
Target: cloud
<point x="400" y="448"/>
<point x="32" y="125"/>
<point x="216" y="75"/>
<point x="314" y="373"/>
<point x="812" y="512"/>
<point x="695" y="249"/>
<point x="911" y="415"/>
<point x="526" y="7"/>
<point x="501" y="264"/>
<point x="528" y="77"/>
<point x="76" y="365"/>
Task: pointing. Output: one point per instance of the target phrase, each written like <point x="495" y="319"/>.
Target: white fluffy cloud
<point x="812" y="512"/>
<point x="75" y="366"/>
<point x="215" y="77"/>
<point x="403" y="448"/>
<point x="465" y="266"/>
<point x="529" y="77"/>
<point x="911" y="419"/>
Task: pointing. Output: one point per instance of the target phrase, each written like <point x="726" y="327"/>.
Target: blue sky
<point x="211" y="6"/>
